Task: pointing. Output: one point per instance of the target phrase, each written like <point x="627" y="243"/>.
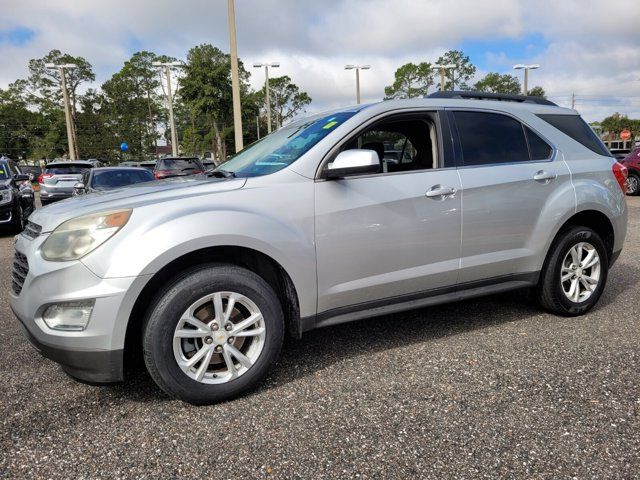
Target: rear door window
<point x="490" y="138"/>
<point x="540" y="150"/>
<point x="575" y="127"/>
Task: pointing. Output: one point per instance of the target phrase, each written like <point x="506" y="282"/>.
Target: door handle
<point x="440" y="191"/>
<point x="543" y="176"/>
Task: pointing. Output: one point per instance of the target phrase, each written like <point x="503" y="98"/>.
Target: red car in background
<point x="632" y="162"/>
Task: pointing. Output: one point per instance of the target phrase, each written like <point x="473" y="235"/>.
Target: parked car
<point x="205" y="275"/>
<point x="632" y="162"/>
<point x="17" y="199"/>
<point x="177" y="167"/>
<point x="33" y="171"/>
<point x="109" y="178"/>
<point x="129" y="164"/>
<point x="59" y="179"/>
<point x="148" y="164"/>
<point x="619" y="153"/>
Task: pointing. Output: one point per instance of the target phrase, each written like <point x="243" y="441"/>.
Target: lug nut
<point x="214" y="326"/>
<point x="228" y="327"/>
<point x="218" y="348"/>
<point x="208" y="340"/>
<point x="230" y="340"/>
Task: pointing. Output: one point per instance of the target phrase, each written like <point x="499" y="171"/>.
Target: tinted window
<point x="66" y="168"/>
<point x="119" y="178"/>
<point x="488" y="138"/>
<point x="576" y="128"/>
<point x="540" y="150"/>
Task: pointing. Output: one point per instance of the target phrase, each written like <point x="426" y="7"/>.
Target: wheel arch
<point x="261" y="264"/>
<point x="595" y="220"/>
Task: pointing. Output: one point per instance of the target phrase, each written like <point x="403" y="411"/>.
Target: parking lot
<point x="486" y="388"/>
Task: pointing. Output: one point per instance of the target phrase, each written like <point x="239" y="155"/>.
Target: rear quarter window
<point x="575" y="127"/>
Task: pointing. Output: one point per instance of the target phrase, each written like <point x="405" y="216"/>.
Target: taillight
<point x="159" y="174"/>
<point x="42" y="176"/>
<point x="621" y="173"/>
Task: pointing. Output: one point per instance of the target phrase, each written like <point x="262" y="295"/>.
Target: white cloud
<point x="591" y="46"/>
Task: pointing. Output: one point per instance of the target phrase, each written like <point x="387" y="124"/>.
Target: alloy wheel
<point x="580" y="272"/>
<point x="219" y="337"/>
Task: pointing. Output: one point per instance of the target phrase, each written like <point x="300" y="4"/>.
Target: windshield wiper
<point x="221" y="173"/>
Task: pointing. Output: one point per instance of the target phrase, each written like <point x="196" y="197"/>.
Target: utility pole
<point x="357" y="68"/>
<point x="267" y="98"/>
<point x="167" y="71"/>
<point x="235" y="80"/>
<point x="258" y="125"/>
<point x="526" y="68"/>
<point x="573" y="100"/>
<point x="67" y="107"/>
<point x="443" y="74"/>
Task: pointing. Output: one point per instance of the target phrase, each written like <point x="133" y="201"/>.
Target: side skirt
<point x="413" y="301"/>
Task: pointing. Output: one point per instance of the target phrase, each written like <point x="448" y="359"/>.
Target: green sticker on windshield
<point x="329" y="125"/>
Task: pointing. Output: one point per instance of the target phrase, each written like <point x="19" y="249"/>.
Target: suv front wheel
<point x="575" y="272"/>
<point x="213" y="334"/>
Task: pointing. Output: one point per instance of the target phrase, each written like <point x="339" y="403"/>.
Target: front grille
<point x="20" y="270"/>
<point x="32" y="230"/>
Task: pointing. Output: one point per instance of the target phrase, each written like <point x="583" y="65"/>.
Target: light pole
<point x="167" y="71"/>
<point x="443" y="74"/>
<point x="526" y="68"/>
<point x="235" y="79"/>
<point x="67" y="107"/>
<point x="267" y="100"/>
<point x="357" y="68"/>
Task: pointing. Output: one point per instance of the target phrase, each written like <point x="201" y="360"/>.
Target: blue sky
<point x="584" y="47"/>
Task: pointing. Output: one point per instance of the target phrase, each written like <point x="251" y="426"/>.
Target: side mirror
<point x="79" y="188"/>
<point x="354" y="162"/>
<point x="19" y="177"/>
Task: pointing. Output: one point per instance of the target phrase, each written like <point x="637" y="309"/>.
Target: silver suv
<point x="316" y="224"/>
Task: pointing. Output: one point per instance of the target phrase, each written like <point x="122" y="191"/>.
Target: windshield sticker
<point x="332" y="123"/>
<point x="2" y="171"/>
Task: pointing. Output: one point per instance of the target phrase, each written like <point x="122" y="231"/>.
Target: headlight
<point x="77" y="237"/>
<point x="5" y="195"/>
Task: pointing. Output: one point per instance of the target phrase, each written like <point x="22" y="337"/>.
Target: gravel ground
<point x="481" y="389"/>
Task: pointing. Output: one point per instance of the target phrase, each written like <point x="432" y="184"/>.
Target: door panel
<point x="508" y="216"/>
<point x="381" y="236"/>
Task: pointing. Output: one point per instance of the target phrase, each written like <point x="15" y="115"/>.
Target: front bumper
<point x="52" y="194"/>
<point x="94" y="355"/>
<point x="6" y="213"/>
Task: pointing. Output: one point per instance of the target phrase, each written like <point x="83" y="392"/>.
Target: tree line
<point x="131" y="105"/>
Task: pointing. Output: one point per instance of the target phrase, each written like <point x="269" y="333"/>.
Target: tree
<point x="206" y="88"/>
<point x="411" y="80"/>
<point x="462" y="72"/>
<point x="496" y="83"/>
<point x="132" y="103"/>
<point x="537" y="92"/>
<point x="285" y="97"/>
<point x="614" y="124"/>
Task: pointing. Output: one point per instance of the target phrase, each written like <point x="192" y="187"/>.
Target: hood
<point x="157" y="192"/>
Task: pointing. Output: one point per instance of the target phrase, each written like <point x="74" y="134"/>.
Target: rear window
<point x="575" y="127"/>
<point x="67" y="169"/>
<point x="180" y="164"/>
<point x="120" y="178"/>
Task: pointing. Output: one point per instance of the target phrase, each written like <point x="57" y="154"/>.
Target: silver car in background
<point x="312" y="226"/>
<point x="59" y="178"/>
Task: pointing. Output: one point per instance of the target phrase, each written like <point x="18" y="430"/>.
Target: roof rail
<point x="501" y="97"/>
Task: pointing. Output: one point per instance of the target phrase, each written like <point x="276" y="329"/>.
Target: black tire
<point x="18" y="220"/>
<point x="164" y="314"/>
<point x="633" y="184"/>
<point x="550" y="292"/>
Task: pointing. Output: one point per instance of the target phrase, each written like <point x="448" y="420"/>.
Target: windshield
<point x="119" y="178"/>
<point x="280" y="149"/>
<point x="4" y="171"/>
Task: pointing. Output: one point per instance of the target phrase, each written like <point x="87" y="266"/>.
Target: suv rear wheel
<point x="213" y="334"/>
<point x="575" y="272"/>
